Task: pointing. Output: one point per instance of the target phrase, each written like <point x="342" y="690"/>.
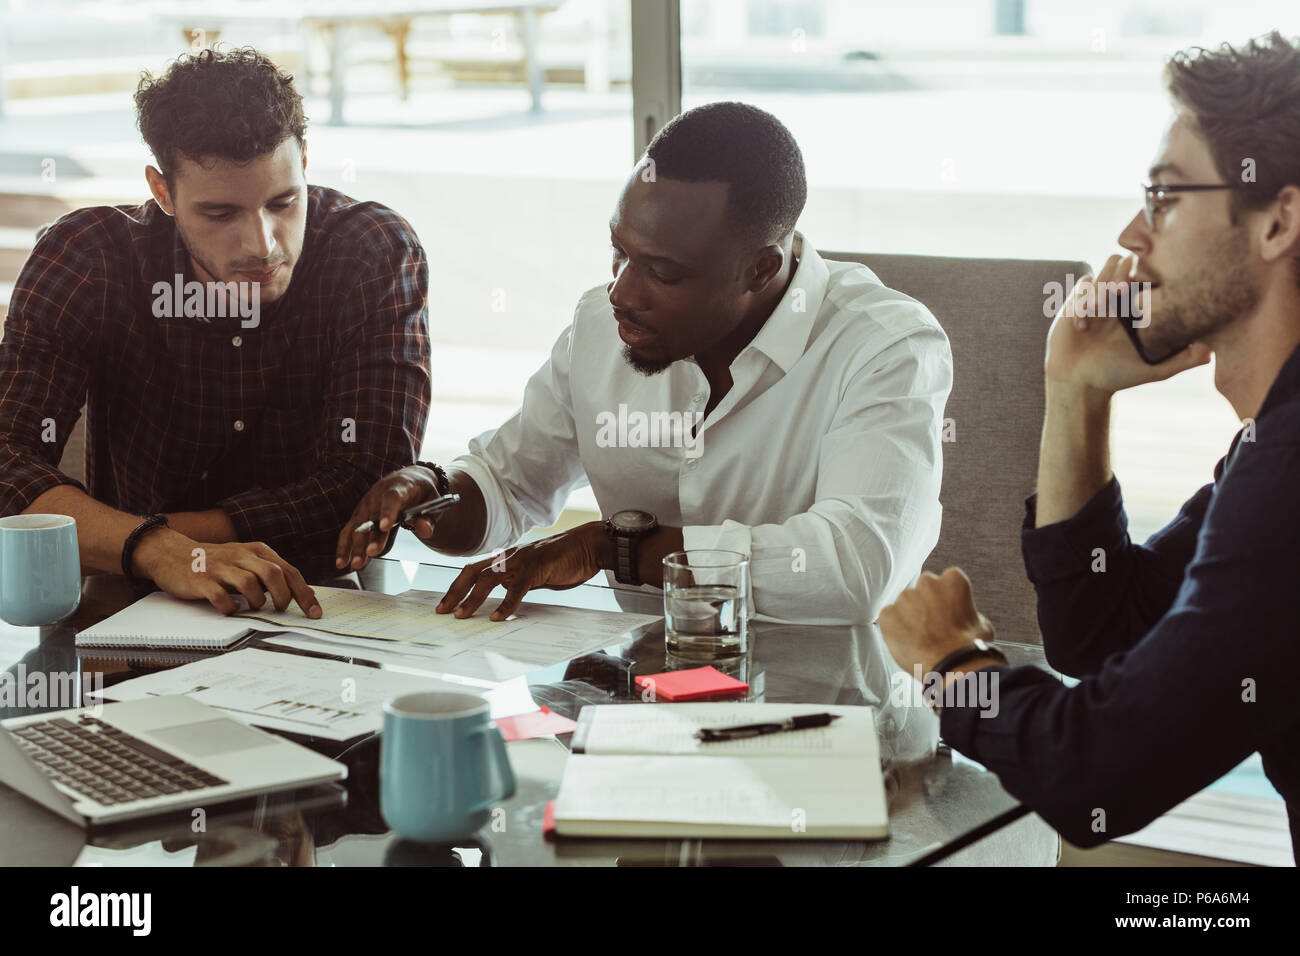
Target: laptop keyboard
<point x="106" y="764"/>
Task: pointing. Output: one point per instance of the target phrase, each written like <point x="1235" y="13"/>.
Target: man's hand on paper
<point x="561" y="561"/>
<point x="195" y="570"/>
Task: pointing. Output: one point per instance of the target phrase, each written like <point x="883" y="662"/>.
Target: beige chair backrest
<point x="73" y="462"/>
<point x="992" y="310"/>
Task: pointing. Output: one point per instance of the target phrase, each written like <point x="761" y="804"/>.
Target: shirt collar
<point x="784" y="335"/>
<point x="1285" y="386"/>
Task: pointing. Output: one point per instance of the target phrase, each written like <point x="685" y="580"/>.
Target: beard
<point x="265" y="297"/>
<point x="1220" y="289"/>
<point x="207" y="267"/>
<point x="646" y="367"/>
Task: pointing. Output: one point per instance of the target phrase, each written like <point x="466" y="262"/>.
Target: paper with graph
<point x="536" y="636"/>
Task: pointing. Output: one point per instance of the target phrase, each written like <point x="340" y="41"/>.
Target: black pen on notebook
<point x="415" y="511"/>
<point x="802" y="722"/>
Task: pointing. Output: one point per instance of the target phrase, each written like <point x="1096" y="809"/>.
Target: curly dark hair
<point x="1246" y="102"/>
<point x="218" y="104"/>
<point x="745" y="147"/>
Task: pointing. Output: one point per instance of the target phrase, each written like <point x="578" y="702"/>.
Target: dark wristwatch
<point x="981" y="648"/>
<point x="626" y="529"/>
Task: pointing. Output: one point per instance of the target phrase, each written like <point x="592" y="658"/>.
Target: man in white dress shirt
<point x="727" y="389"/>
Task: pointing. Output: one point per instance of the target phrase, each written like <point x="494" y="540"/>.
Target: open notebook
<point x="638" y="771"/>
<point x="159" y="620"/>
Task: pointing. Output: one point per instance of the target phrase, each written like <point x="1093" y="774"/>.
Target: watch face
<point x="632" y="521"/>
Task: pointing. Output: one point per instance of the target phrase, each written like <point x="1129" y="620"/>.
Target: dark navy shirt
<point x="1187" y="646"/>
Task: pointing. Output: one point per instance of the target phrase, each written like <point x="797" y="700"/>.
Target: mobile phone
<point x="1127" y="323"/>
<point x="428" y="508"/>
<point x="436" y="506"/>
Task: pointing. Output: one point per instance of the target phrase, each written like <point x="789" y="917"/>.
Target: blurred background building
<point x="1015" y="128"/>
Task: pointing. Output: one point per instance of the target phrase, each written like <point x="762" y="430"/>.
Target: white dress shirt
<point x="822" y="463"/>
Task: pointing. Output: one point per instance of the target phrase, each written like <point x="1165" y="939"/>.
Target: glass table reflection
<point x="936" y="797"/>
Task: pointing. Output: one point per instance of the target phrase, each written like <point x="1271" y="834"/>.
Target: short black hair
<point x="218" y="104"/>
<point x="748" y="149"/>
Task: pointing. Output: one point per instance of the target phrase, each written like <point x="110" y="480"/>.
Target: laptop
<point x="140" y="758"/>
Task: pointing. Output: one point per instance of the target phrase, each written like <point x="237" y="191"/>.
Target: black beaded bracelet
<point x="443" y="482"/>
<point x="133" y="539"/>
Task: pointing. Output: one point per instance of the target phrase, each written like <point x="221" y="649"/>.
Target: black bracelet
<point x="959" y="657"/>
<point x="440" y="476"/>
<point x="133" y="539"/>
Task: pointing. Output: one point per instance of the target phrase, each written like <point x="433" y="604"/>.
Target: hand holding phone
<point x="408" y="497"/>
<point x="1085" y="349"/>
<point x="433" y="507"/>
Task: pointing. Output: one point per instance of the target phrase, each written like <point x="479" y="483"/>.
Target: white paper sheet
<point x="287" y="692"/>
<point x="410" y="617"/>
<point x="538" y="636"/>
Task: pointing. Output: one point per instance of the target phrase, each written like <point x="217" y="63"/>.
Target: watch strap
<point x="625" y="558"/>
<point x="964" y="654"/>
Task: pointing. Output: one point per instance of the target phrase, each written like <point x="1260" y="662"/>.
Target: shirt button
<point x="239" y="424"/>
<point x="697" y="397"/>
<point x="237" y="341"/>
<point x="203" y="477"/>
<point x="691" y="463"/>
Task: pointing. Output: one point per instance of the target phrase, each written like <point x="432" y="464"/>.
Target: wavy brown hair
<point x="1246" y="103"/>
<point x="231" y="104"/>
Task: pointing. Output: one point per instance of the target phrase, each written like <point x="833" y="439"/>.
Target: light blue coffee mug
<point x="442" y="765"/>
<point x="40" y="570"/>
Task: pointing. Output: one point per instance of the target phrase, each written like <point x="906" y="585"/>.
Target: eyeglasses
<point x="1155" y="195"/>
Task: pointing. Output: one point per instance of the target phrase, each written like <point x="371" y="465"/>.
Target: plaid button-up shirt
<point x="284" y="425"/>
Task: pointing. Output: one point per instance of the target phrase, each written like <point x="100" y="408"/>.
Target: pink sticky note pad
<point x="539" y="723"/>
<point x="691" y="684"/>
<point x="548" y="822"/>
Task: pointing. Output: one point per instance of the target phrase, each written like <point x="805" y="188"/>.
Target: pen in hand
<point x="429" y="507"/>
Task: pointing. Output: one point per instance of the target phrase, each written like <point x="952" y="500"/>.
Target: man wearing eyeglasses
<point x="1186" y="645"/>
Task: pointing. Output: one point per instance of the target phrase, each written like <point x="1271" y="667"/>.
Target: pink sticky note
<point x="691" y="684"/>
<point x="548" y="822"/>
<point x="537" y="724"/>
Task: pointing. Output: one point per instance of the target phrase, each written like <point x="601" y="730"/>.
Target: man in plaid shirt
<point x="251" y="351"/>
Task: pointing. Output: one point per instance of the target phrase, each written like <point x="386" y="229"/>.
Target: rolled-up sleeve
<point x="527" y="467"/>
<point x="877" y="512"/>
<point x="374" y="415"/>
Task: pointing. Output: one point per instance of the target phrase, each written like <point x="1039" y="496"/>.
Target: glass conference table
<point x="937" y="798"/>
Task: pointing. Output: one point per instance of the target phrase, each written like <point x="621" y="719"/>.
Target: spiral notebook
<point x="160" y="620"/>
